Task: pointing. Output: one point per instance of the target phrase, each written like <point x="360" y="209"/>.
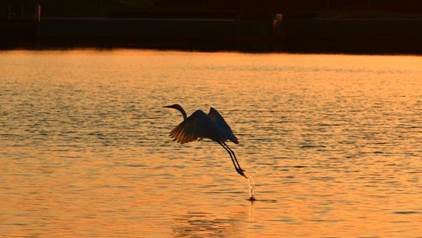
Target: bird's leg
<point x="235" y="163"/>
<point x="231" y="157"/>
<point x="234" y="155"/>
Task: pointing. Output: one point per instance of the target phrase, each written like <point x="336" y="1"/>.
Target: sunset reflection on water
<point x="333" y="142"/>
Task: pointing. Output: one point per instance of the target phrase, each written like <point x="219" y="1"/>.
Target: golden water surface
<point x="334" y="143"/>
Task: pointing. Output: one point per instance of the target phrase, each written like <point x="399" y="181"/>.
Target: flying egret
<point x="200" y="125"/>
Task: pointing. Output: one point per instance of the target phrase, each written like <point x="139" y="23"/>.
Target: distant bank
<point x="184" y="33"/>
<point x="288" y="34"/>
<point x="354" y="35"/>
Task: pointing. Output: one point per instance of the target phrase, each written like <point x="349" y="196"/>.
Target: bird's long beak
<point x="168" y="106"/>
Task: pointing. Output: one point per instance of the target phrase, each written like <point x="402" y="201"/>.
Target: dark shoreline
<point x="293" y="35"/>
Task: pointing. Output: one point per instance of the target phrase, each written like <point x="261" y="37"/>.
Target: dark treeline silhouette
<point x="131" y="8"/>
<point x="126" y="8"/>
<point x="367" y="26"/>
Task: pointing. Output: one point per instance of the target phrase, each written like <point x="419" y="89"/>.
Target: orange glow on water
<point x="333" y="142"/>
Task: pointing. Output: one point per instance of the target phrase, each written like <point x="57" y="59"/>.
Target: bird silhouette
<point x="200" y="125"/>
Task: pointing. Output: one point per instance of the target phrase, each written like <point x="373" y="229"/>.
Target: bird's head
<point x="174" y="106"/>
<point x="179" y="108"/>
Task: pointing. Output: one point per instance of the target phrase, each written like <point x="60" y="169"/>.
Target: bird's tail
<point x="234" y="139"/>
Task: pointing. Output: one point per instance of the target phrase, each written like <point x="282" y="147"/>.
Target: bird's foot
<point x="241" y="172"/>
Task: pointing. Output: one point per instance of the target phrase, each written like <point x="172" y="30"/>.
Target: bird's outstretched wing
<point x="196" y="126"/>
<point x="226" y="132"/>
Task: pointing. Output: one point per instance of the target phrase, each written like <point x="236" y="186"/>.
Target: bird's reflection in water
<point x="251" y="212"/>
<point x="202" y="224"/>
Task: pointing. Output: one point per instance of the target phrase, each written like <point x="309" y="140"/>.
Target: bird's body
<point x="200" y="125"/>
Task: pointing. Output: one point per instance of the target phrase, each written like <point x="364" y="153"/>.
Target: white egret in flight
<point x="200" y="125"/>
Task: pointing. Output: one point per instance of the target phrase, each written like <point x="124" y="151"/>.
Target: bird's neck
<point x="181" y="110"/>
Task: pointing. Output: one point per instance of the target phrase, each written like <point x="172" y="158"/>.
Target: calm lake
<point x="334" y="143"/>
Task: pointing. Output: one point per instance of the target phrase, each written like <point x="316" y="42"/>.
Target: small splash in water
<point x="251" y="184"/>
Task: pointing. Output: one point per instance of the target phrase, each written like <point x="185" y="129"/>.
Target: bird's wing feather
<point x="196" y="126"/>
<point x="224" y="128"/>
